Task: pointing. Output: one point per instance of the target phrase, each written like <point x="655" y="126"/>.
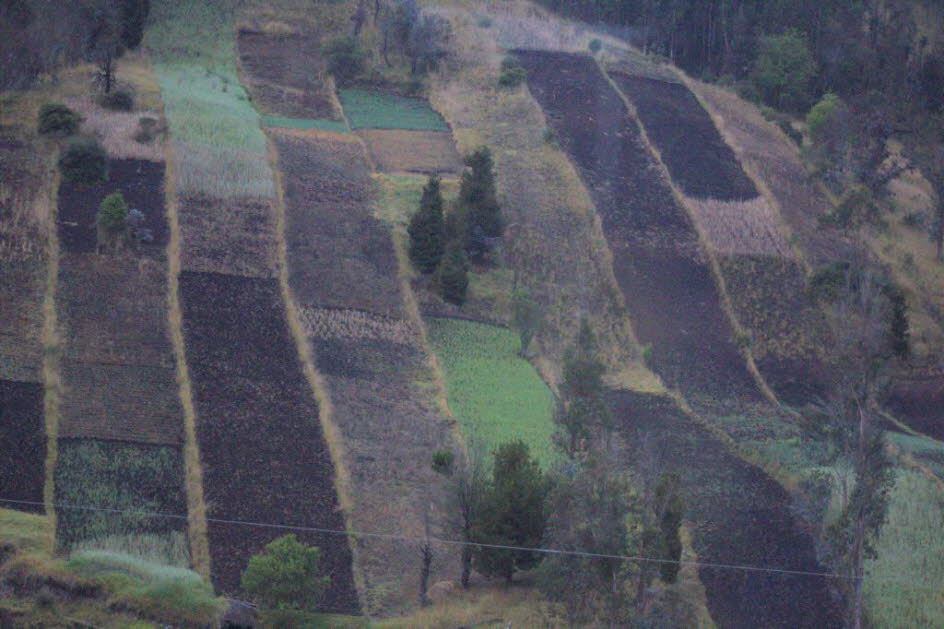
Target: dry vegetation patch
<point x="347" y="323"/>
<point x="119" y="131"/>
<point x="285" y="72"/>
<point x="234" y="235"/>
<point x="741" y="227"/>
<point x="424" y="152"/>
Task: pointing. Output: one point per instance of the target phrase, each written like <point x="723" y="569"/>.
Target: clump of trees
<point x="58" y="120"/>
<point x="84" y="161"/>
<point x="583" y="407"/>
<point x="444" y="245"/>
<point x="285" y="580"/>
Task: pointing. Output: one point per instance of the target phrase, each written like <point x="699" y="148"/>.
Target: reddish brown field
<point x="22" y="443"/>
<point x="117" y="367"/>
<point x="741" y="517"/>
<point x="228" y="236"/>
<point x="286" y="74"/>
<point x="21" y="298"/>
<point x="697" y="158"/>
<point x="263" y="453"/>
<point x="422" y="152"/>
<point x="665" y="277"/>
<point x="340" y="255"/>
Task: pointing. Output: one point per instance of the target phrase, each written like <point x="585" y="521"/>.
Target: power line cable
<point x="451" y="542"/>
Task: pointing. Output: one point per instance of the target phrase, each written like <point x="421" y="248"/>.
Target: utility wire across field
<point x="452" y="542"/>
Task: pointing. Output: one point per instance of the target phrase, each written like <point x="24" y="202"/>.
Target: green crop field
<point x="903" y="585"/>
<point x="495" y="395"/>
<point x="377" y="110"/>
<point x="304" y="123"/>
<point x="218" y="144"/>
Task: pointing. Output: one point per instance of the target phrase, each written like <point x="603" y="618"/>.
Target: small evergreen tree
<point x="427" y="229"/>
<point x="453" y="274"/>
<point x="57" y="119"/>
<point x="285" y="579"/>
<point x="84" y="161"/>
<point x="527" y="315"/>
<point x="514" y="513"/>
<point x="113" y="214"/>
<point x="477" y="194"/>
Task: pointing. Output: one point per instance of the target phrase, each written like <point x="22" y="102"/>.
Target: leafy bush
<point x="509" y="62"/>
<point x="595" y="45"/>
<point x="57" y="119"/>
<point x="286" y="576"/>
<point x="147" y="130"/>
<point x="84" y="161"/>
<point x="484" y="22"/>
<point x="442" y="461"/>
<point x="345" y="58"/>
<point x="453" y="274"/>
<point x="117" y="100"/>
<point x="821" y="115"/>
<point x="790" y="132"/>
<point x="113" y="213"/>
<point x="784" y="71"/>
<point x="512" y="77"/>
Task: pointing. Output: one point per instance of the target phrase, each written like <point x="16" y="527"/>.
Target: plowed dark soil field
<point x="665" y="277"/>
<point x="22" y="444"/>
<point x="691" y="147"/>
<point x="287" y="74"/>
<point x="263" y="453"/>
<point x="741" y="517"/>
<point x="920" y="404"/>
<point x="142" y="184"/>
<point x="340" y="255"/>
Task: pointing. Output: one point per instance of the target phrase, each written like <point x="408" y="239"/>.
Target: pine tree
<point x="477" y="194"/>
<point x="453" y="274"/>
<point x="427" y="230"/>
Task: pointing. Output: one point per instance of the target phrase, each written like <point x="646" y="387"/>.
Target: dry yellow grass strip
<point x="116" y="130"/>
<point x="193" y="472"/>
<point x="740" y="227"/>
<point x="314" y="134"/>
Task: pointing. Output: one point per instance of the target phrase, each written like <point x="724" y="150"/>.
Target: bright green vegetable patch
<point x="304" y="123"/>
<point x="378" y="110"/>
<point x="903" y="584"/>
<point x="495" y="395"/>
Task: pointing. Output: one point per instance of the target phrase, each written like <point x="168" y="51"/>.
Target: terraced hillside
<point x="742" y="230"/>
<point x="243" y="366"/>
<point x="664" y="275"/>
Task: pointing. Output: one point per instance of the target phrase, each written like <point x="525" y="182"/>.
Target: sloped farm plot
<point x="423" y="152"/>
<point x="263" y="453"/>
<point x="741" y="517"/>
<point x="697" y="158"/>
<point x="22" y="444"/>
<point x="286" y="74"/>
<point x="664" y="275"/>
<point x="343" y="272"/>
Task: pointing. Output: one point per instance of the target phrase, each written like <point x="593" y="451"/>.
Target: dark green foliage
<point x="133" y="14"/>
<point x="286" y="576"/>
<point x="453" y="274"/>
<point x="478" y="202"/>
<point x="57" y="119"/>
<point x="147" y="130"/>
<point x="827" y="281"/>
<point x="109" y="475"/>
<point x="669" y="503"/>
<point x="513" y="77"/>
<point x="427" y="229"/>
<point x="858" y="207"/>
<point x="113" y="214"/>
<point x="527" y="315"/>
<point x="84" y="161"/>
<point x="513" y="513"/>
<point x="427" y="43"/>
<point x="583" y="405"/>
<point x="595" y="45"/>
<point x="345" y="58"/>
<point x="117" y="100"/>
<point x="443" y="461"/>
<point x="784" y="71"/>
<point x="898" y="328"/>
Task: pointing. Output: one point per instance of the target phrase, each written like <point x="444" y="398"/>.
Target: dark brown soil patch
<point x="22" y="444"/>
<point x="423" y="152"/>
<point x="286" y="74"/>
<point x="234" y="236"/>
<point x="697" y="157"/>
<point x="919" y="402"/>
<point x="263" y="454"/>
<point x="340" y="254"/>
<point x="142" y="184"/>
<point x="665" y="277"/>
<point x="741" y="517"/>
<point x="21" y="322"/>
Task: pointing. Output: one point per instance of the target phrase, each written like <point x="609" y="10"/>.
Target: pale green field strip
<point x="495" y="395"/>
<point x="377" y="110"/>
<point x="305" y="123"/>
<point x="219" y="145"/>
